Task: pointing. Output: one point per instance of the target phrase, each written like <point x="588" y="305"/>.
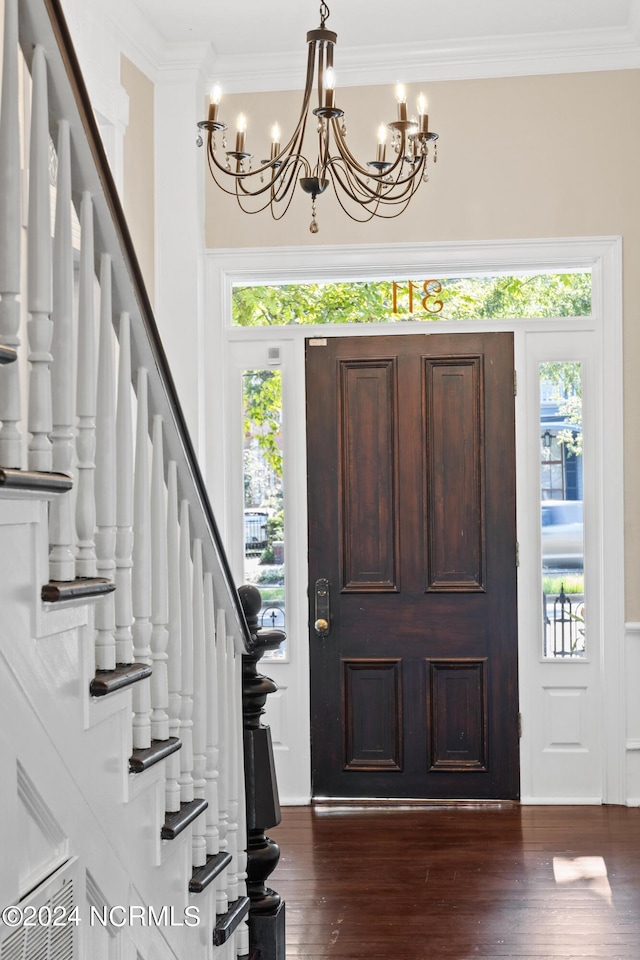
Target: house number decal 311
<point x="425" y="291"/>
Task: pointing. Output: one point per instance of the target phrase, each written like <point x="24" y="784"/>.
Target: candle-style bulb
<point x="330" y="79"/>
<point x="382" y="134"/>
<point x="275" y="133"/>
<point x="401" y="97"/>
<point x="216" y="94"/>
<point x="422" y="105"/>
<point x="241" y="123"/>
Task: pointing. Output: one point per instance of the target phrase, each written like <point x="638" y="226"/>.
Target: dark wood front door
<point x="411" y="467"/>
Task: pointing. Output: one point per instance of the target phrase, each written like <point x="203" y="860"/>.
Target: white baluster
<point x="211" y="770"/>
<point x="199" y="704"/>
<point x="222" y="901"/>
<point x="232" y="774"/>
<point x="39" y="295"/>
<point x="243" y="929"/>
<point x="10" y="240"/>
<point x="141" y="575"/>
<point x="86" y="397"/>
<point x="186" y="632"/>
<point x="174" y="663"/>
<point x="124" y="498"/>
<point x="62" y="563"/>
<point x="105" y="473"/>
<point x="159" y="588"/>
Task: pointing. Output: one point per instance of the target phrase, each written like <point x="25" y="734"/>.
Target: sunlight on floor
<point x="590" y="869"/>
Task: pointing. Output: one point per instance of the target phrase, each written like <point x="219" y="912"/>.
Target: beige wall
<point x="139" y="168"/>
<point x="550" y="156"/>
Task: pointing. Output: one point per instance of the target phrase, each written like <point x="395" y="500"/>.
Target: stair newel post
<point x="212" y="836"/>
<point x="159" y="591"/>
<point x="62" y="563"/>
<point x="39" y="288"/>
<point x="174" y="649"/>
<point x="124" y="497"/>
<point x="223" y="778"/>
<point x="267" y="911"/>
<point x="199" y="703"/>
<point x="242" y="838"/>
<point x="10" y="240"/>
<point x="186" y="632"/>
<point x="105" y="473"/>
<point x="86" y="397"/>
<point x="141" y="573"/>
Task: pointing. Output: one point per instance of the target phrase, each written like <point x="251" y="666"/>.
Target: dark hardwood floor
<point x="460" y="882"/>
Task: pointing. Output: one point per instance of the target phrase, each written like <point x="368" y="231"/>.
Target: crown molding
<point x="527" y="54"/>
<point x="616" y="48"/>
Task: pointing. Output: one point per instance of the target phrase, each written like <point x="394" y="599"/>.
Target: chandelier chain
<point x="324" y="14"/>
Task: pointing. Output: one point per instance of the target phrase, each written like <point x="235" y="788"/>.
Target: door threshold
<point x="396" y="802"/>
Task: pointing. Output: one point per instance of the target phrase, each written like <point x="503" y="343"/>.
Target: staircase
<point x="124" y="831"/>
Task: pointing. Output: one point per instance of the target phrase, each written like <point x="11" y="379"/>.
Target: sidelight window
<point x="561" y="510"/>
<point x="264" y="521"/>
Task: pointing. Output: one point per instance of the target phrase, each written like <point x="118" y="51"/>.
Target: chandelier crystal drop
<point x="381" y="187"/>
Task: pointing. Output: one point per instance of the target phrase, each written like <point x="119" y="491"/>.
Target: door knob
<point x="323" y="616"/>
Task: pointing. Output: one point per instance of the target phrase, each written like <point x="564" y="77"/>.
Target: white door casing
<point x="586" y="764"/>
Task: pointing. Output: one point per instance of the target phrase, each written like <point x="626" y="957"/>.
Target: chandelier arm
<point x="298" y="133"/>
<point x="372" y="212"/>
<point x="369" y="193"/>
<point x="284" y="156"/>
<point x="352" y="186"/>
<point x="279" y="215"/>
<point x="287" y="153"/>
<point x="292" y="161"/>
<point x="353" y="164"/>
<point x="234" y="192"/>
<point x="349" y="158"/>
<point x="286" y="186"/>
<point x="268" y="201"/>
<point x="398" y="189"/>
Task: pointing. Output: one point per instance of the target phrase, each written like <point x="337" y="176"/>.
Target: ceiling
<point x="260" y="46"/>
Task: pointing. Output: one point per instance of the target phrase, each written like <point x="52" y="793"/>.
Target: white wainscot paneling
<point x="564" y="719"/>
<point x="567" y="773"/>
<point x="632" y="733"/>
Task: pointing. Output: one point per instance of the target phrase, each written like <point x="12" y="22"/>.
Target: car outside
<point x="562" y="534"/>
<point x="255" y="529"/>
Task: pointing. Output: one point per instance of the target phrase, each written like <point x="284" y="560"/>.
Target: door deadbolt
<point x="322" y="622"/>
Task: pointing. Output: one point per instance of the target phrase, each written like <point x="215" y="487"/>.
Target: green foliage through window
<point x="466" y="298"/>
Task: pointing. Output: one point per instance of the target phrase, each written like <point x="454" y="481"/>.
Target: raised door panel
<point x="372" y="710"/>
<point x="368" y="462"/>
<point x="454" y="474"/>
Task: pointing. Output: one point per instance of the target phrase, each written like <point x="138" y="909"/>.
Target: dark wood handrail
<point x="129" y="290"/>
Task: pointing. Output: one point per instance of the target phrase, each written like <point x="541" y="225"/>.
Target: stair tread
<point x="177" y="821"/>
<point x="141" y="759"/>
<point x="34" y="483"/>
<point x="83" y="587"/>
<point x="229" y="921"/>
<point x="125" y="674"/>
<point x="7" y="354"/>
<point x="202" y="876"/>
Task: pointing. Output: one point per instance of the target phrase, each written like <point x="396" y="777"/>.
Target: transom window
<point x="425" y="299"/>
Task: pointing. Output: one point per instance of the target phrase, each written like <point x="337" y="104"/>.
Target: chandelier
<point x="381" y="187"/>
